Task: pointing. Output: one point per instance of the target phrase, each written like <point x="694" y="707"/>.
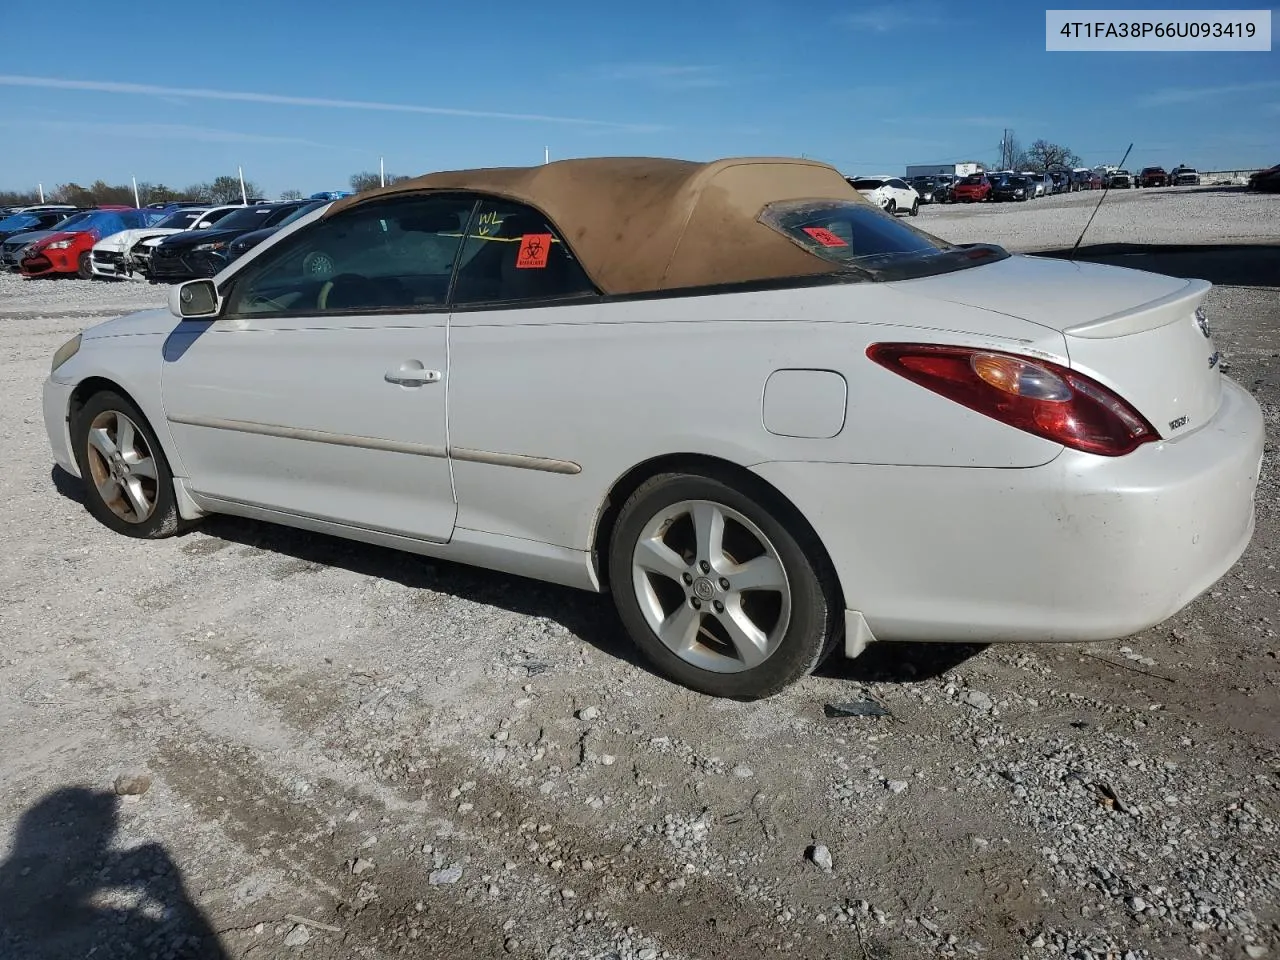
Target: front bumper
<point x="109" y="263"/>
<point x="46" y="262"/>
<point x="1082" y="548"/>
<point x="171" y="266"/>
<point x="56" y="403"/>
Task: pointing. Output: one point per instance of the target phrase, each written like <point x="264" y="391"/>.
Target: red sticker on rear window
<point x="825" y="237"/>
<point x="534" y="250"/>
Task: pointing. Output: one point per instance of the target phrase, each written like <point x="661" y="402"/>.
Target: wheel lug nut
<point x="697" y="604"/>
<point x="706" y="567"/>
<point x="719" y="607"/>
<point x="688" y="579"/>
<point x="724" y="584"/>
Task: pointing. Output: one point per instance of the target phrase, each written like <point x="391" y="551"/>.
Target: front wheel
<point x="725" y="591"/>
<point x="128" y="483"/>
<point x="84" y="267"/>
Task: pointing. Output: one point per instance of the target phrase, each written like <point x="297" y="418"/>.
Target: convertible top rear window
<point x="859" y="238"/>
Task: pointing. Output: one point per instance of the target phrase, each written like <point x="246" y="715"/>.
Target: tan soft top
<point x="640" y="224"/>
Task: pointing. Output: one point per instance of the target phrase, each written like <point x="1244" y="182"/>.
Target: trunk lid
<point x="1135" y="332"/>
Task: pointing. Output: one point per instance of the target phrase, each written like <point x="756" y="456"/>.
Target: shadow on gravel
<point x="588" y="616"/>
<point x="70" y="487"/>
<point x="889" y="662"/>
<point x="54" y="887"/>
<point x="1225" y="264"/>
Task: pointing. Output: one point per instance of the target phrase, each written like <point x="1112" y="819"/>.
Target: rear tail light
<point x="1037" y="396"/>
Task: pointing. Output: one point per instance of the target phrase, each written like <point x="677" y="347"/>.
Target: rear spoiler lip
<point x="1138" y="319"/>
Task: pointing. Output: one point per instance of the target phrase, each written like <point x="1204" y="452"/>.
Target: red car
<point x="1153" y="177"/>
<point x="67" y="251"/>
<point x="971" y="188"/>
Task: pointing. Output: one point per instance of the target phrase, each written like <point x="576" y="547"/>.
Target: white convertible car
<point x="770" y="419"/>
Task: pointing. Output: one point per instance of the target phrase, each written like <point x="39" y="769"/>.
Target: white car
<point x="1037" y="181"/>
<point x="110" y="257"/>
<point x="891" y="194"/>
<point x="771" y="420"/>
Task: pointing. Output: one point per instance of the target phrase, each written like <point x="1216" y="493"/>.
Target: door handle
<point x="411" y="373"/>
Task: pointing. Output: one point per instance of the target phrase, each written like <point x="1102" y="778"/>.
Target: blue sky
<point x="303" y="96"/>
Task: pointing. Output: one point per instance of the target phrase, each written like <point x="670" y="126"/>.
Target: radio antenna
<point x="1106" y="186"/>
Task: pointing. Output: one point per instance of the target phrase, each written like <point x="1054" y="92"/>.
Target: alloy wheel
<point x="121" y="465"/>
<point x="711" y="586"/>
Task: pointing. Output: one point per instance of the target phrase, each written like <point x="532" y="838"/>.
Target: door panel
<point x="321" y="388"/>
<point x="305" y="419"/>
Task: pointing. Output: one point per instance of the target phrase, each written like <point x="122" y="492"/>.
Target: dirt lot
<point x="358" y="754"/>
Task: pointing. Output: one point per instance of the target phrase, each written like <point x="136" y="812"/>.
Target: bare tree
<point x="360" y="182"/>
<point x="1042" y="156"/>
<point x="227" y="190"/>
<point x="291" y="195"/>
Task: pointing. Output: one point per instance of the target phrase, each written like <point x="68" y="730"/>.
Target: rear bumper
<point x="1082" y="548"/>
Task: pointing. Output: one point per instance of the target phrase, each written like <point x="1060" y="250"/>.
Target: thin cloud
<point x="162" y="131"/>
<point x="151" y="90"/>
<point x="888" y="18"/>
<point x="1172" y="96"/>
<point x="668" y="76"/>
<point x="975" y="121"/>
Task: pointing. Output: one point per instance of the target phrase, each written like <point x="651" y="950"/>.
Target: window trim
<point x="227" y="293"/>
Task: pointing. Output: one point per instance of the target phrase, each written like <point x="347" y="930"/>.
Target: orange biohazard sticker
<point x="825" y="237"/>
<point x="534" y="250"/>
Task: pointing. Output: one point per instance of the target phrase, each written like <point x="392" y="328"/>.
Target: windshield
<point x="972" y="178"/>
<point x="180" y="220"/>
<point x="250" y="218"/>
<point x="857" y="238"/>
<point x="71" y="222"/>
<point x="302" y="212"/>
<point x="19" y="221"/>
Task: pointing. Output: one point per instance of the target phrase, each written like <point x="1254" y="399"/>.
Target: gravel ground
<point x="295" y="746"/>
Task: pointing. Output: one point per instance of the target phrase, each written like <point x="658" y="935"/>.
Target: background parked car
<point x="1184" y="176"/>
<point x="973" y="188"/>
<point x="1268" y="180"/>
<point x="891" y="194"/>
<point x="110" y="256"/>
<point x="1121" y="179"/>
<point x="1011" y="186"/>
<point x="1061" y="180"/>
<point x="931" y="189"/>
<point x="67" y="250"/>
<point x="11" y="249"/>
<point x="1153" y="177"/>
<point x="202" y="253"/>
<point x="1037" y="182"/>
<point x="26" y="222"/>
<point x="246" y="242"/>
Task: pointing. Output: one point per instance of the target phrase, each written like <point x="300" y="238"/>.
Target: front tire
<point x="84" y="267"/>
<point x="127" y="480"/>
<point x="722" y="587"/>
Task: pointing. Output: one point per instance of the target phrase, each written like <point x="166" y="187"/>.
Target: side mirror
<point x="195" y="298"/>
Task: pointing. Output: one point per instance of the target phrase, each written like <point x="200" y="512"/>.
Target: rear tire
<point x="722" y="586"/>
<point x="891" y="208"/>
<point x="128" y="485"/>
<point x="915" y="208"/>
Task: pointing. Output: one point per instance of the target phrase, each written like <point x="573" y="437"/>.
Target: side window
<point x="514" y="255"/>
<point x="898" y="184"/>
<point x="393" y="256"/>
